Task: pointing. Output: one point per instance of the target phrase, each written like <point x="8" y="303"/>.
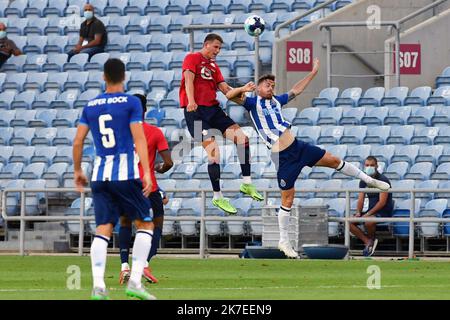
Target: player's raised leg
<point x="331" y="161"/>
<point x="212" y="150"/>
<point x="235" y="134"/>
<point x="284" y="213"/>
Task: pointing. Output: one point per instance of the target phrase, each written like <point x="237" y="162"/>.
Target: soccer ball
<point x="254" y="25"/>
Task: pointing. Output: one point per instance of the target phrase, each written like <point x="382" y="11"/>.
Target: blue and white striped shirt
<point x="109" y="117"/>
<point x="267" y="117"/>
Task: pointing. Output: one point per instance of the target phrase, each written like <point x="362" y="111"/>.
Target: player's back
<point x="109" y="117"/>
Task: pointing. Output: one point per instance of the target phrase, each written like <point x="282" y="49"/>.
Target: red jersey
<point x="207" y="77"/>
<point x="156" y="142"/>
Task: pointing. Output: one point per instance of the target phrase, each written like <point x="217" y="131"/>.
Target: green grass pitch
<point x="45" y="277"/>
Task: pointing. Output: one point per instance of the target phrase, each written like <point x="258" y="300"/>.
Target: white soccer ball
<point x="254" y="25"/>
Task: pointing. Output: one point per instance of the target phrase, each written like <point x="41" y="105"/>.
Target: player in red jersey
<point x="156" y="142"/>
<point x="205" y="119"/>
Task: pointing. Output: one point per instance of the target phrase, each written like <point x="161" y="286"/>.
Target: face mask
<point x="369" y="170"/>
<point x="88" y="15"/>
<point x="2" y="34"/>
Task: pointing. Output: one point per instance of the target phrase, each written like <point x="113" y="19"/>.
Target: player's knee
<point x="334" y="161"/>
<point x="144" y="225"/>
<point x="125" y="222"/>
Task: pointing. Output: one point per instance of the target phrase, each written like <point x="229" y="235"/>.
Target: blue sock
<point x="157" y="232"/>
<point x="124" y="243"/>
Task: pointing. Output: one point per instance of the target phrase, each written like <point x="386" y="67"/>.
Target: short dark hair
<point x="372" y="158"/>
<point x="143" y="100"/>
<point x="114" y="70"/>
<point x="211" y="37"/>
<point x="265" y="77"/>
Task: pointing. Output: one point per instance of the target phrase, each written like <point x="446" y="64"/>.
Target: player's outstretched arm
<point x="79" y="177"/>
<point x="238" y="94"/>
<point x="167" y="163"/>
<point x="302" y="84"/>
<point x="141" y="147"/>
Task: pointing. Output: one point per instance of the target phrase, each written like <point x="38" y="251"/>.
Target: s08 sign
<point x="299" y="55"/>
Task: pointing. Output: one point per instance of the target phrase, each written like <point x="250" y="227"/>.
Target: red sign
<point x="299" y="56"/>
<point x="410" y="60"/>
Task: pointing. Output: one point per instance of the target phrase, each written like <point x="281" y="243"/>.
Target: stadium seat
<point x="421" y="116"/>
<point x="309" y="134"/>
<point x="15" y="63"/>
<point x="307" y="117"/>
<point x="398" y="115"/>
<point x="330" y="116"/>
<point x="372" y="97"/>
<point x="326" y="98"/>
<point x="44" y="136"/>
<point x="162" y="79"/>
<point x="177" y="7"/>
<point x="97" y="62"/>
<point x="445" y="157"/>
<point x="353" y="135"/>
<point x="443" y="136"/>
<point x="401" y="135"/>
<point x="22" y="118"/>
<point x="352" y="116"/>
<point x="115" y="7"/>
<point x="34" y="62"/>
<point x="5" y="151"/>
<point x="428" y="184"/>
<point x="375" y="116"/>
<point x="73" y="227"/>
<point x="331" y="135"/>
<point x="22" y="136"/>
<point x="55" y="64"/>
<point x="444" y="78"/>
<point x="13" y="198"/>
<point x="136" y="7"/>
<point x="15" y="83"/>
<point x="6" y="98"/>
<point x="179" y="22"/>
<point x="420" y="171"/>
<point x="430" y="154"/>
<point x="23" y="100"/>
<point x="441" y="96"/>
<point x="22" y="154"/>
<point x="5" y="118"/>
<point x="12" y="170"/>
<point x="158" y="24"/>
<point x="425" y="136"/>
<point x="35" y="81"/>
<point x="190" y="207"/>
<point x="395" y="96"/>
<point x="349" y="97"/>
<point x="321" y="173"/>
<point x="333" y="184"/>
<point x="358" y="153"/>
<point x="418" y="97"/>
<point x="442" y="172"/>
<point x="403" y="209"/>
<point x="396" y="170"/>
<point x="441" y="117"/>
<point x="434" y="208"/>
<point x="406" y="153"/>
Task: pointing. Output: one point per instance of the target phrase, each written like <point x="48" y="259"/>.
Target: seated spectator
<point x="380" y="205"/>
<point x="7" y="46"/>
<point x="93" y="36"/>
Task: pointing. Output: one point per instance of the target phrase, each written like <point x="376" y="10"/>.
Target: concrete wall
<point x="433" y="36"/>
<point x="357" y="39"/>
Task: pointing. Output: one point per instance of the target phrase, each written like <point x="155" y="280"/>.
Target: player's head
<point x="143" y="100"/>
<point x="114" y="72"/>
<point x="371" y="166"/>
<point x="212" y="45"/>
<point x="266" y="86"/>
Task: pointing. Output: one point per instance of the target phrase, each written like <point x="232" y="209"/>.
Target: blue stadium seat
<point x="428" y="184"/>
<point x="160" y="61"/>
<point x="219" y="6"/>
<point x="15" y="63"/>
<point x="56" y="81"/>
<point x="420" y="171"/>
<point x="321" y="173"/>
<point x="430" y="154"/>
<point x="16" y="27"/>
<point x="444" y="78"/>
<point x="65" y="100"/>
<point x="76" y="81"/>
<point x="55" y="63"/>
<point x="16" y="8"/>
<point x="418" y="96"/>
<point x="24" y="100"/>
<point x="421" y="116"/>
<point x="173" y="117"/>
<point x="309" y="134"/>
<point x="15" y="83"/>
<point x="354" y="135"/>
<point x="55" y="28"/>
<point x="401" y="135"/>
<point x="97" y="61"/>
<point x="136" y="7"/>
<point x="259" y="7"/>
<point x="281" y="6"/>
<point x="241" y="6"/>
<point x="137" y="26"/>
<point x="33" y="171"/>
<point x="177" y="7"/>
<point x="406" y="153"/>
<point x="443" y="137"/>
<point x="63" y="154"/>
<point x="375" y="116"/>
<point x="43" y="99"/>
<point x="5" y="136"/>
<point x="22" y="136"/>
<point x="352" y="116"/>
<point x="434" y="208"/>
<point x="190" y="207"/>
<point x="396" y="170"/>
<point x="162" y="79"/>
<point x="372" y="97"/>
<point x="445" y="157"/>
<point x="171" y="101"/>
<point x="73" y="227"/>
<point x="6" y="98"/>
<point x="22" y="118"/>
<point x="35" y="44"/>
<point x="13" y="198"/>
<point x="159" y="42"/>
<point x="184" y="190"/>
<point x="184" y="171"/>
<point x="441" y="117"/>
<point x="441" y="96"/>
<point x="55" y="44"/>
<point x="395" y="96"/>
<point x="383" y="153"/>
<point x="442" y="172"/>
<point x="117" y="43"/>
<point x="349" y="97"/>
<point x="34" y="63"/>
<point x="179" y="22"/>
<point x="330" y="116"/>
<point x="95" y="81"/>
<point x="5" y="118"/>
<point x="35" y="201"/>
<point x="425" y="136"/>
<point x="358" y="153"/>
<point x="331" y="135"/>
<point x="12" y="170"/>
<point x="35" y="81"/>
<point x="44" y="136"/>
<point x="326" y="97"/>
<point x="65" y="136"/>
<point x="328" y="185"/>
<point x="22" y="154"/>
<point x="156" y="8"/>
<point x="76" y="63"/>
<point x="115" y="8"/>
<point x="307" y="117"/>
<point x="403" y="209"/>
<point x="66" y="118"/>
<point x="398" y="115"/>
<point x="84" y="97"/>
<point x="55" y="8"/>
<point x="179" y="42"/>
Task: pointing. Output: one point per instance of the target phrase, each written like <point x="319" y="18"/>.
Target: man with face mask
<point x="380" y="205"/>
<point x="93" y="36"/>
<point x="7" y="46"/>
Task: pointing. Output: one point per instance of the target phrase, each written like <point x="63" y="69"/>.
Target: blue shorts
<point x="156" y="202"/>
<point x="113" y="198"/>
<point x="290" y="162"/>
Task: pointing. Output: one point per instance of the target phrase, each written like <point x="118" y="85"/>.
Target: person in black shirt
<point x="93" y="36"/>
<point x="7" y="46"/>
<point x="380" y="205"/>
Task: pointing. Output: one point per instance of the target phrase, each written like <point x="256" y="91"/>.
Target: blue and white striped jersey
<point x="267" y="117"/>
<point x="109" y="117"/>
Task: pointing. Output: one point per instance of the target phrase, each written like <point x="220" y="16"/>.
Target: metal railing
<point x="193" y="28"/>
<point x="347" y="219"/>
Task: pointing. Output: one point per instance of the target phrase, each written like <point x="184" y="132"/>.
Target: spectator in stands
<point x="93" y="36"/>
<point x="7" y="46"/>
<point x="380" y="205"/>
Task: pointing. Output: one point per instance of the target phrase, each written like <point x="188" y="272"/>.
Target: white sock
<point x="247" y="180"/>
<point x="98" y="260"/>
<point x="146" y="264"/>
<point x="218" y="195"/>
<point x="141" y="249"/>
<point x="350" y="170"/>
<point x="125" y="266"/>
<point x="283" y="223"/>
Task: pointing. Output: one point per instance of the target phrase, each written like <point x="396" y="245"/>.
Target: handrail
<point x="420" y="11"/>
<point x="307" y="13"/>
